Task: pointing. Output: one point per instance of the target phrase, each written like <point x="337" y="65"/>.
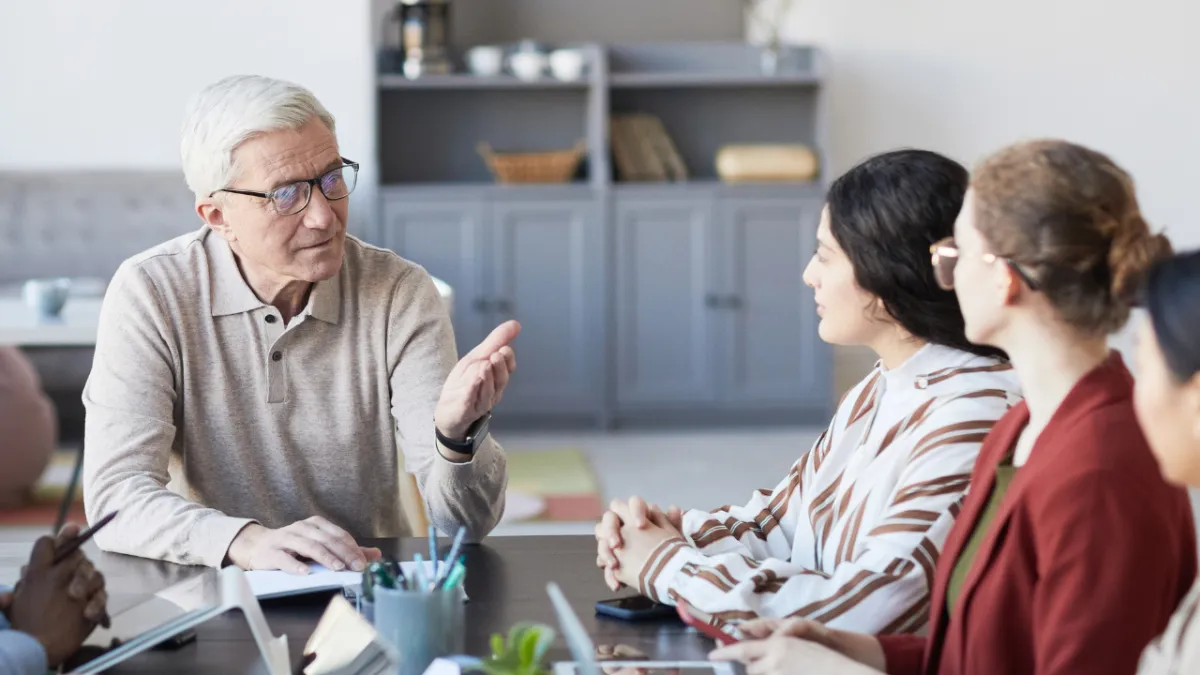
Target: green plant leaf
<point x="515" y="633"/>
<point x="497" y="646"/>
<point x="528" y="647"/>
<point x="545" y="638"/>
<point x="522" y="652"/>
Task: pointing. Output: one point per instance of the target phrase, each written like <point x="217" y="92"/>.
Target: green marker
<point x="455" y="577"/>
<point x="381" y="576"/>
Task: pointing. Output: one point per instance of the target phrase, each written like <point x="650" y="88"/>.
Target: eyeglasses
<point x="293" y="198"/>
<point x="945" y="257"/>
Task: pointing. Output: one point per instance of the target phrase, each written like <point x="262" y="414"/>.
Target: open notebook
<point x="276" y="584"/>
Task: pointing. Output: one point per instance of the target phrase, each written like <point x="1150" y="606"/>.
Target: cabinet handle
<point x="504" y="306"/>
<point x="712" y="301"/>
<point x="482" y="305"/>
<point x="733" y="302"/>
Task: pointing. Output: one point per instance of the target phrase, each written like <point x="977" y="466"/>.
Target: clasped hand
<point x="628" y="534"/>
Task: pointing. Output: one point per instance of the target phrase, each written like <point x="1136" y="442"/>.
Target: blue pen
<point x="452" y="556"/>
<point x="433" y="547"/>
<point x="419" y="573"/>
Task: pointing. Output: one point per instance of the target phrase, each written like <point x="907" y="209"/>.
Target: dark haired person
<point x="1071" y="551"/>
<point x="1167" y="400"/>
<point x="52" y="610"/>
<point x="851" y="535"/>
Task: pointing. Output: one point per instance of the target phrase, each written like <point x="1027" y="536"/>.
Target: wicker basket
<point x="557" y="166"/>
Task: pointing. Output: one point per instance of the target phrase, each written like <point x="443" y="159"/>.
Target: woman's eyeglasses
<point x="292" y="198"/>
<point x="945" y="256"/>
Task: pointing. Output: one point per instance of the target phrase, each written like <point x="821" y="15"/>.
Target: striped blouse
<point x="851" y="535"/>
<point x="1177" y="651"/>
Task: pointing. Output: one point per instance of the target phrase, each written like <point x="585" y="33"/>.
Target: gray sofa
<point x="82" y="224"/>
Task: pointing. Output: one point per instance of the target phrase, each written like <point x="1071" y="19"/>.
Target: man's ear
<point x="212" y="212"/>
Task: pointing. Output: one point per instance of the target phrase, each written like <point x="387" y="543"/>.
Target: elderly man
<point x="256" y="382"/>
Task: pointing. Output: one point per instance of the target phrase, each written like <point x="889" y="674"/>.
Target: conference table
<point x="506" y="583"/>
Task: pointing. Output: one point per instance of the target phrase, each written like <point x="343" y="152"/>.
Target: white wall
<point x="96" y="84"/>
<point x="965" y="77"/>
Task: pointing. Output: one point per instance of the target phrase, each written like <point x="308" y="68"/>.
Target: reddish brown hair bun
<point x="1070" y="216"/>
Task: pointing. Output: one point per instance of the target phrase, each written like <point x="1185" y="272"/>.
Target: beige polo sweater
<point x="205" y="412"/>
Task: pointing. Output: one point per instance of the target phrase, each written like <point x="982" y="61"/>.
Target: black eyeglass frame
<point x="310" y="182"/>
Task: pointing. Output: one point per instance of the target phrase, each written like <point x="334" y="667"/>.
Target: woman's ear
<point x="1191" y="403"/>
<point x="875" y="311"/>
<point x="1011" y="282"/>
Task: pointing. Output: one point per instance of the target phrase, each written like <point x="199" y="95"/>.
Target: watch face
<point x="480" y="431"/>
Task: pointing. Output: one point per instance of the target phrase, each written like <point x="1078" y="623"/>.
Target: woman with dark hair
<point x="1167" y="400"/>
<point x="1071" y="551"/>
<point x="851" y="535"/>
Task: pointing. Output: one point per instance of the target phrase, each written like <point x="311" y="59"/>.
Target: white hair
<point x="227" y="113"/>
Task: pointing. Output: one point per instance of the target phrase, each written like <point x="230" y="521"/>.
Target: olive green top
<point x="1004" y="475"/>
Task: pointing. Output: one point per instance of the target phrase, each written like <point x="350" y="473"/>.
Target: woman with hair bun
<point x="1071" y="551"/>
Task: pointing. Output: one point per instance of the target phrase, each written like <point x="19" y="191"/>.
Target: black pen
<point x="81" y="539"/>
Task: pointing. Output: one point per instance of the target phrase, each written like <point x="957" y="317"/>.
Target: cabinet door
<point x="664" y="329"/>
<point x="770" y="352"/>
<point x="446" y="238"/>
<point x="546" y="273"/>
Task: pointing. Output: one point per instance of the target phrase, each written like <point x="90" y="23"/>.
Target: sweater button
<point x="276" y="356"/>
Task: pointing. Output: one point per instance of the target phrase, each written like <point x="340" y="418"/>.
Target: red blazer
<point x="1088" y="556"/>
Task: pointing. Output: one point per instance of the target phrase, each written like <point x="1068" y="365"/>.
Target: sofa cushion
<point x="84" y="224"/>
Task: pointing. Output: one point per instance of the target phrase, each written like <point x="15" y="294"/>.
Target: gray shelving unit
<point x="642" y="303"/>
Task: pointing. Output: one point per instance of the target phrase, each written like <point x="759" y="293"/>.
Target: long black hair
<point x="1172" y="297"/>
<point x="885" y="213"/>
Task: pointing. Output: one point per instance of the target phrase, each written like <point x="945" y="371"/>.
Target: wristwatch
<point x="475" y="435"/>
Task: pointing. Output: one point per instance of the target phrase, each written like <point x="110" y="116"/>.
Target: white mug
<point x="46" y="297"/>
<point x="527" y="65"/>
<point x="567" y="64"/>
<point x="485" y="60"/>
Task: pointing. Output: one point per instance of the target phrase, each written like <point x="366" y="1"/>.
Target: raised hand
<point x="477" y="382"/>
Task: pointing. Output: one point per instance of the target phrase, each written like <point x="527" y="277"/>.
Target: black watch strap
<point x="475" y="435"/>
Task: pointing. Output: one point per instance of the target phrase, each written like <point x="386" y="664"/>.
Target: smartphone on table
<point x="634" y="608"/>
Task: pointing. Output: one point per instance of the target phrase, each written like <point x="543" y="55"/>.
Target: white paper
<point x="275" y="584"/>
<point x="443" y="667"/>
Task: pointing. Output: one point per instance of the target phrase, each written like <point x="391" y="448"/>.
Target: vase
<point x="769" y="60"/>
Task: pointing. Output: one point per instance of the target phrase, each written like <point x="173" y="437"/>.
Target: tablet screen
<point x="150" y="622"/>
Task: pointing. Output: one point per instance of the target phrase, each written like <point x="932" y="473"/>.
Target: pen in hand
<point x="82" y="538"/>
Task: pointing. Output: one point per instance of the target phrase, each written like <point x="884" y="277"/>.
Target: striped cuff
<point x="654" y="581"/>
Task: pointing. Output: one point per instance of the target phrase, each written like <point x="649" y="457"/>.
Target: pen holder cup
<point x="421" y="625"/>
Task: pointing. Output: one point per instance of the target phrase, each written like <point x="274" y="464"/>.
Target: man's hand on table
<point x="476" y="385"/>
<point x="260" y="548"/>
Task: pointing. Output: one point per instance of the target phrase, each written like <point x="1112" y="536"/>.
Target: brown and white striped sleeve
<point x="881" y="583"/>
<point x="756" y="529"/>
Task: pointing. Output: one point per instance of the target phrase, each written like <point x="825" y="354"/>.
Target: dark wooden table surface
<point x="506" y="583"/>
